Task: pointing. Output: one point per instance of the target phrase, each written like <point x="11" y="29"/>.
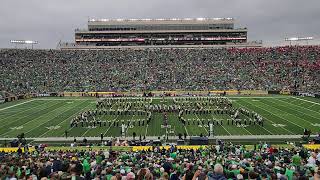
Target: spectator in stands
<point x="204" y="163"/>
<point x="45" y="71"/>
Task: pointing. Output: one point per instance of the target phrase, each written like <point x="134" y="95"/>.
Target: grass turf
<point x="50" y="117"/>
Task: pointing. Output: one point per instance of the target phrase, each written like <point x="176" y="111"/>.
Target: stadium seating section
<point x="278" y="68"/>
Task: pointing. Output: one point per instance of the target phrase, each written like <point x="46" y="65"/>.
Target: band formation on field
<point x="160" y="117"/>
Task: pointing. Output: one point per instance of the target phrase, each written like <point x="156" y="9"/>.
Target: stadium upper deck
<point x="160" y="32"/>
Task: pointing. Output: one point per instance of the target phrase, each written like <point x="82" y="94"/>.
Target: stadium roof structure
<point x="163" y="19"/>
<point x="145" y="32"/>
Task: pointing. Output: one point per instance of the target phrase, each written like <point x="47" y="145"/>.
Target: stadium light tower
<point x="296" y="39"/>
<point x="16" y="42"/>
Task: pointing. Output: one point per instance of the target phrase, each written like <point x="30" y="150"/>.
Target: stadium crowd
<point x="217" y="162"/>
<point x="278" y="68"/>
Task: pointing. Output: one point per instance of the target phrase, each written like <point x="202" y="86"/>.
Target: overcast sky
<point x="51" y="21"/>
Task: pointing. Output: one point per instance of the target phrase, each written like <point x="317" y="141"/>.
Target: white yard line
<point x="269" y="119"/>
<point x="247" y="131"/>
<point x="306" y="100"/>
<point x="300" y="111"/>
<point x="64" y="99"/>
<point x="82" y="135"/>
<point x="111" y="122"/>
<point x="104" y="134"/>
<point x="314" y="103"/>
<point x="284" y="118"/>
<point x="185" y="128"/>
<point x="71" y="107"/>
<point x="253" y="97"/>
<point x="226" y="130"/>
<point x="146" y="130"/>
<point x="65" y="119"/>
<point x="16" y="105"/>
<point x="221" y="126"/>
<point x="129" y="124"/>
<point x="267" y="130"/>
<point x="76" y="113"/>
<point x="202" y="124"/>
<point x="260" y="126"/>
<point x="18" y="119"/>
<point x="301" y="103"/>
<point x="14" y="114"/>
<point x="29" y="121"/>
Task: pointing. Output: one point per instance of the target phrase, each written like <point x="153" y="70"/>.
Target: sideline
<point x="16" y="105"/>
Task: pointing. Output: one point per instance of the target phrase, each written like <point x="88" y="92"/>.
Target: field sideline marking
<point x="64" y="99"/>
<point x="253" y="97"/>
<point x="16" y="105"/>
<point x="268" y="118"/>
<point x="66" y="118"/>
<point x="153" y="98"/>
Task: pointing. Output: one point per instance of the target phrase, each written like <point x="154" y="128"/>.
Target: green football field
<point x="50" y="117"/>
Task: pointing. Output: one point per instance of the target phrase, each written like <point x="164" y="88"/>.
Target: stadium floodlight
<point x="24" y="42"/>
<point x="292" y="39"/>
<point x="16" y="42"/>
<point x="201" y="19"/>
<point x="298" y="38"/>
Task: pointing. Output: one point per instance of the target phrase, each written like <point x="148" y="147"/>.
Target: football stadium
<point x="159" y="98"/>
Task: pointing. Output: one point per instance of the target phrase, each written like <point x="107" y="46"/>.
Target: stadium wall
<point x="159" y="93"/>
<point x="167" y="93"/>
<point x="139" y="148"/>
